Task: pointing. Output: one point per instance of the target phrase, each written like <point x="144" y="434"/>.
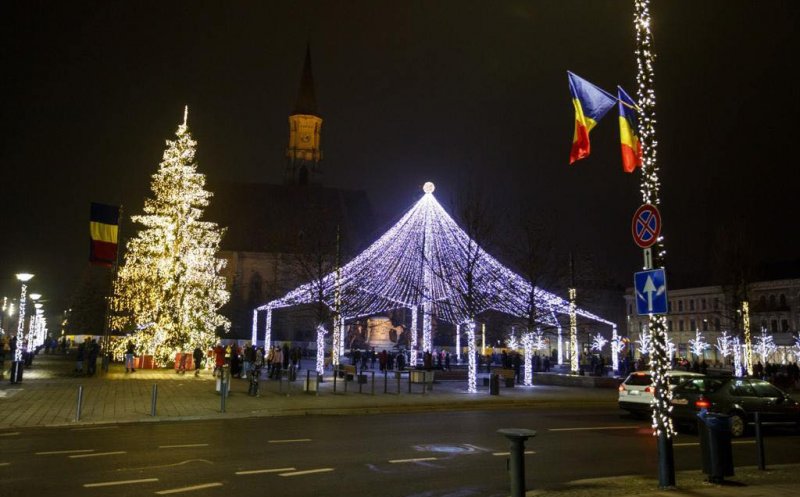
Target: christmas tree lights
<point x="170" y="287"/>
<point x="422" y="261"/>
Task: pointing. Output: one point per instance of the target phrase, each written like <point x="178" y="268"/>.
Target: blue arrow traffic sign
<point x="651" y="291"/>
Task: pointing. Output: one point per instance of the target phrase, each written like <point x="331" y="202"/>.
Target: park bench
<point x="506" y="374"/>
<point x="346" y="371"/>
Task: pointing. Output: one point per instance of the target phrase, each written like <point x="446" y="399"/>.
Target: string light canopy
<point x="424" y="262"/>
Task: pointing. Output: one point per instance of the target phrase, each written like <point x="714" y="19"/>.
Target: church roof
<point x="262" y="217"/>
<point x="306" y="97"/>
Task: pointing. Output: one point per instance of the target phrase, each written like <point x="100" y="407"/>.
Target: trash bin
<point x="494" y="384"/>
<point x="715" y="445"/>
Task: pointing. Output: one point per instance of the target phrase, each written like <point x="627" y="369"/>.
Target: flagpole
<point x="110" y="298"/>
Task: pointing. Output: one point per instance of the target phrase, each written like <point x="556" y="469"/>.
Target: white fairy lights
<point x="419" y="263"/>
<point x="698" y="344"/>
<point x="171" y="276"/>
<point x="765" y="345"/>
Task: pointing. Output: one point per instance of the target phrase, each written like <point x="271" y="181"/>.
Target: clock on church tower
<point x="304" y="152"/>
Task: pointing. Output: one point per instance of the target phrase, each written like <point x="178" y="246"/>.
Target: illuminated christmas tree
<point x="169" y="288"/>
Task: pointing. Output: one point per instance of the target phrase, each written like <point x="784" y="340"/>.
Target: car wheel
<point x="737" y="425"/>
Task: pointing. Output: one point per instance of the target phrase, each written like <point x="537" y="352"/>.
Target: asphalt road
<point x="455" y="454"/>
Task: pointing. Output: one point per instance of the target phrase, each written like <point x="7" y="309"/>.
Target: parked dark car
<point x="739" y="398"/>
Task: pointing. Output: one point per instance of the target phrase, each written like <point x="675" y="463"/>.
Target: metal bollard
<point x="373" y="383"/>
<point x="398" y="383"/>
<point x="153" y="400"/>
<point x="335" y="375"/>
<point x="762" y="464"/>
<point x="223" y="392"/>
<point x="385" y="381"/>
<point x="516" y="458"/>
<point x="80" y="403"/>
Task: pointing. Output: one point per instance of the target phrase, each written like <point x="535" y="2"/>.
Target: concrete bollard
<point x="153" y="400"/>
<point x="762" y="465"/>
<point x="80" y="403"/>
<point x="516" y="458"/>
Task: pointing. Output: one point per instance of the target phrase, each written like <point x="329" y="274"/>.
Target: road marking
<point x="98" y="454"/>
<point x="416" y="459"/>
<point x="307" y="472"/>
<point x="189" y="489"/>
<point x="119" y="482"/>
<point x="292" y="440"/>
<point x="96" y="428"/>
<point x="5" y="464"/>
<point x="509" y="453"/>
<point x="53" y="452"/>
<point x="9" y="434"/>
<point x="596" y="428"/>
<point x="262" y="471"/>
<point x="181" y="446"/>
<point x="695" y="444"/>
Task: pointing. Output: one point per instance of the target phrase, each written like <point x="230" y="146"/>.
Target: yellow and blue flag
<point x="591" y="104"/>
<point x="103" y="232"/>
<point x="628" y="125"/>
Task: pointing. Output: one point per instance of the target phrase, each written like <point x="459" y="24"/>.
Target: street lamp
<point x="16" y="365"/>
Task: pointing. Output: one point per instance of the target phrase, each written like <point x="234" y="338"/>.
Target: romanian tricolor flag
<point x="631" y="147"/>
<point x="591" y="104"/>
<point x="103" y="230"/>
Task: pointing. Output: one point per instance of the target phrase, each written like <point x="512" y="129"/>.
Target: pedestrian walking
<point x="198" y="359"/>
<point x="130" y="353"/>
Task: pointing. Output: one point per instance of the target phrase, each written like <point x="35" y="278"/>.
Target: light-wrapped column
<point x="472" y="371"/>
<point x="413" y="342"/>
<point x="254" y="329"/>
<point x="268" y="331"/>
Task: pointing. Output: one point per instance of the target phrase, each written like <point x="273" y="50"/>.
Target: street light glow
<point x="24" y="277"/>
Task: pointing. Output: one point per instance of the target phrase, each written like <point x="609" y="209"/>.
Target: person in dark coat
<point x="198" y="358"/>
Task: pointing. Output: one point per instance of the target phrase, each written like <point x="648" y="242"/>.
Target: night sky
<point x="447" y="91"/>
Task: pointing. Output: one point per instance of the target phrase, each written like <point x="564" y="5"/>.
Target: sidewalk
<point x="776" y="481"/>
<point x="48" y="394"/>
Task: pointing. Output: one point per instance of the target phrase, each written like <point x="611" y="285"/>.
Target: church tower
<point x="303" y="153"/>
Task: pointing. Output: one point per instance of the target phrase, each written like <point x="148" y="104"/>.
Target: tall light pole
<point x="650" y="185"/>
<point x="16" y="365"/>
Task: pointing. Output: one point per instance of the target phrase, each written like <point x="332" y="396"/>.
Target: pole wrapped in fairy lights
<point x="414" y="335"/>
<point x="573" y="333"/>
<point x="747" y="346"/>
<point x="254" y="329"/>
<point x="650" y="186"/>
<point x="418" y="264"/>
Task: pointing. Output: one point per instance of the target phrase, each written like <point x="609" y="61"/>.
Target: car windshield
<point x="638" y="379"/>
<point x="700" y="385"/>
<point x="765" y="389"/>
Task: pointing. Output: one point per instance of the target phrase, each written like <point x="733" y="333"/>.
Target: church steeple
<point x="305" y="125"/>
<point x="306" y="97"/>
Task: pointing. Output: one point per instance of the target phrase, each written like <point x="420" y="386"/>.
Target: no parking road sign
<point x="646" y="225"/>
<point x="651" y="291"/>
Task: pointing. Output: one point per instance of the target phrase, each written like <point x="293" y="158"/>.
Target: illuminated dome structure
<point x="423" y="263"/>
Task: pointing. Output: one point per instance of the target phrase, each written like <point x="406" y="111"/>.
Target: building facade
<point x="712" y="310"/>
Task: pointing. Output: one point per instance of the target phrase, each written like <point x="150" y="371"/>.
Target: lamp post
<point x="16" y="365"/>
